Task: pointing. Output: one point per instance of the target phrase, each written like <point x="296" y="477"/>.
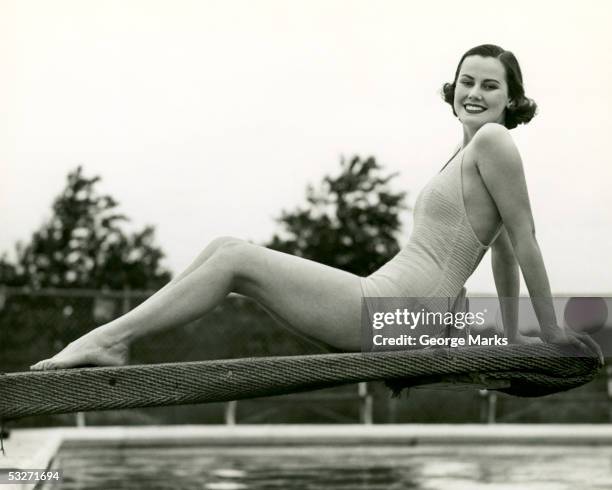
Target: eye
<point x="491" y="87"/>
<point x="467" y="83"/>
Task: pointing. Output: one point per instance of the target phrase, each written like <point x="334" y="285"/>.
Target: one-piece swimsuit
<point x="443" y="250"/>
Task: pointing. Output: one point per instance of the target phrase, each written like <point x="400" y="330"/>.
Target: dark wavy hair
<point x="521" y="109"/>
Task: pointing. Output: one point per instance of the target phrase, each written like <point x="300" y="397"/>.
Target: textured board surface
<point x="518" y="370"/>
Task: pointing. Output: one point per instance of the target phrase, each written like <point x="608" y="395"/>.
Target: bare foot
<point x="97" y="348"/>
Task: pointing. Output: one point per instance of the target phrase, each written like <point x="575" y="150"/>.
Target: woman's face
<point x="481" y="92"/>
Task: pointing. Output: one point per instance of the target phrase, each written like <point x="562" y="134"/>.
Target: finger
<point x="521" y="341"/>
<point x="594" y="346"/>
<point x="585" y="344"/>
<point x="579" y="348"/>
<point x="528" y="341"/>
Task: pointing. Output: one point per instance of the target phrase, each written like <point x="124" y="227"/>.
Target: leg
<point x="208" y="252"/>
<point x="317" y="300"/>
<point x="205" y="255"/>
<point x="103" y="346"/>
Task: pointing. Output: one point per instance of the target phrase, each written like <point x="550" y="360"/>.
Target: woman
<point x="478" y="200"/>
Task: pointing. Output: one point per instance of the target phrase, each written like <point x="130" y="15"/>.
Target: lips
<point x="474" y="108"/>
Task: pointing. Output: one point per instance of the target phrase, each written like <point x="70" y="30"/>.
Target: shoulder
<point x="491" y="136"/>
<point x="494" y="148"/>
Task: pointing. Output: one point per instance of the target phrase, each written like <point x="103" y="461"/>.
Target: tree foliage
<point x="349" y="222"/>
<point x="83" y="245"/>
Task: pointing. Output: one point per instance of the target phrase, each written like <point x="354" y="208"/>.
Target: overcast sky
<point x="207" y="118"/>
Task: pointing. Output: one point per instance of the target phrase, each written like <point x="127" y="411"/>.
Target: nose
<point x="474" y="93"/>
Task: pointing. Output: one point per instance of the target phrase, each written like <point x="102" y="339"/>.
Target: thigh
<point x="317" y="300"/>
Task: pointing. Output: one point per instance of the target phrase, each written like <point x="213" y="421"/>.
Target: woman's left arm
<point x="501" y="168"/>
<point x="507" y="282"/>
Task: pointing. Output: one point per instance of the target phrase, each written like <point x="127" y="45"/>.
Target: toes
<point x="47" y="364"/>
<point x="44" y="365"/>
<point x="39" y="366"/>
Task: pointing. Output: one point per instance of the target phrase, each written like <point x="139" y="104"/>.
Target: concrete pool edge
<point x="36" y="448"/>
<point x="30" y="449"/>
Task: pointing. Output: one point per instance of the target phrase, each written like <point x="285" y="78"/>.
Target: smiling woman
<point x="479" y="201"/>
<point x="489" y="80"/>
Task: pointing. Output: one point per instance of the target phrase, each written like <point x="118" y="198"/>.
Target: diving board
<point x="522" y="370"/>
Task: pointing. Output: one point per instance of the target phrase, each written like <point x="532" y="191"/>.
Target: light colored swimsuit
<point x="443" y="250"/>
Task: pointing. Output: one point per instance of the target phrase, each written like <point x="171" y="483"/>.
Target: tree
<point x="349" y="222"/>
<point x="83" y="245"/>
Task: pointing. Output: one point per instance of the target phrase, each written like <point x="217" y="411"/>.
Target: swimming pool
<point x="456" y="467"/>
<point x="340" y="456"/>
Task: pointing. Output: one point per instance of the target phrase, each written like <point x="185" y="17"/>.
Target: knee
<point x="222" y="242"/>
<point x="227" y="248"/>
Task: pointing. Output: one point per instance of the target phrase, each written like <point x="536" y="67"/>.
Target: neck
<point x="470" y="131"/>
<point x="468" y="134"/>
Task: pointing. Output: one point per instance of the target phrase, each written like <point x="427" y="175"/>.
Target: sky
<point x="207" y="118"/>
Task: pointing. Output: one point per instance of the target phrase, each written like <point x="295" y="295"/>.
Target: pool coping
<point x="36" y="448"/>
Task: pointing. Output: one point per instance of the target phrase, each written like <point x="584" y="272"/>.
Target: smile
<point x="474" y="109"/>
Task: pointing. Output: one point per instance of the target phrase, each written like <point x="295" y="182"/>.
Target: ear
<point x="510" y="104"/>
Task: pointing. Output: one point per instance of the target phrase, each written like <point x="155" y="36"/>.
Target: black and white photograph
<point x="305" y="244"/>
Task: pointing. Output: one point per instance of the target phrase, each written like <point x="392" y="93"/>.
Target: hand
<point x="525" y="340"/>
<point x="581" y="341"/>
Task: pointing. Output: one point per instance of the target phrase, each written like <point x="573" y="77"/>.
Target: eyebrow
<point x="486" y="80"/>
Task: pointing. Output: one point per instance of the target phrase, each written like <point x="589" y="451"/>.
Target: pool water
<point x="452" y="467"/>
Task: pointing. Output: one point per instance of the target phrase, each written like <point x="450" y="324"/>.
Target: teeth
<point x="474" y="107"/>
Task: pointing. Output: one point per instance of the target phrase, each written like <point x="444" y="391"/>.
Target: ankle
<point x="114" y="335"/>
